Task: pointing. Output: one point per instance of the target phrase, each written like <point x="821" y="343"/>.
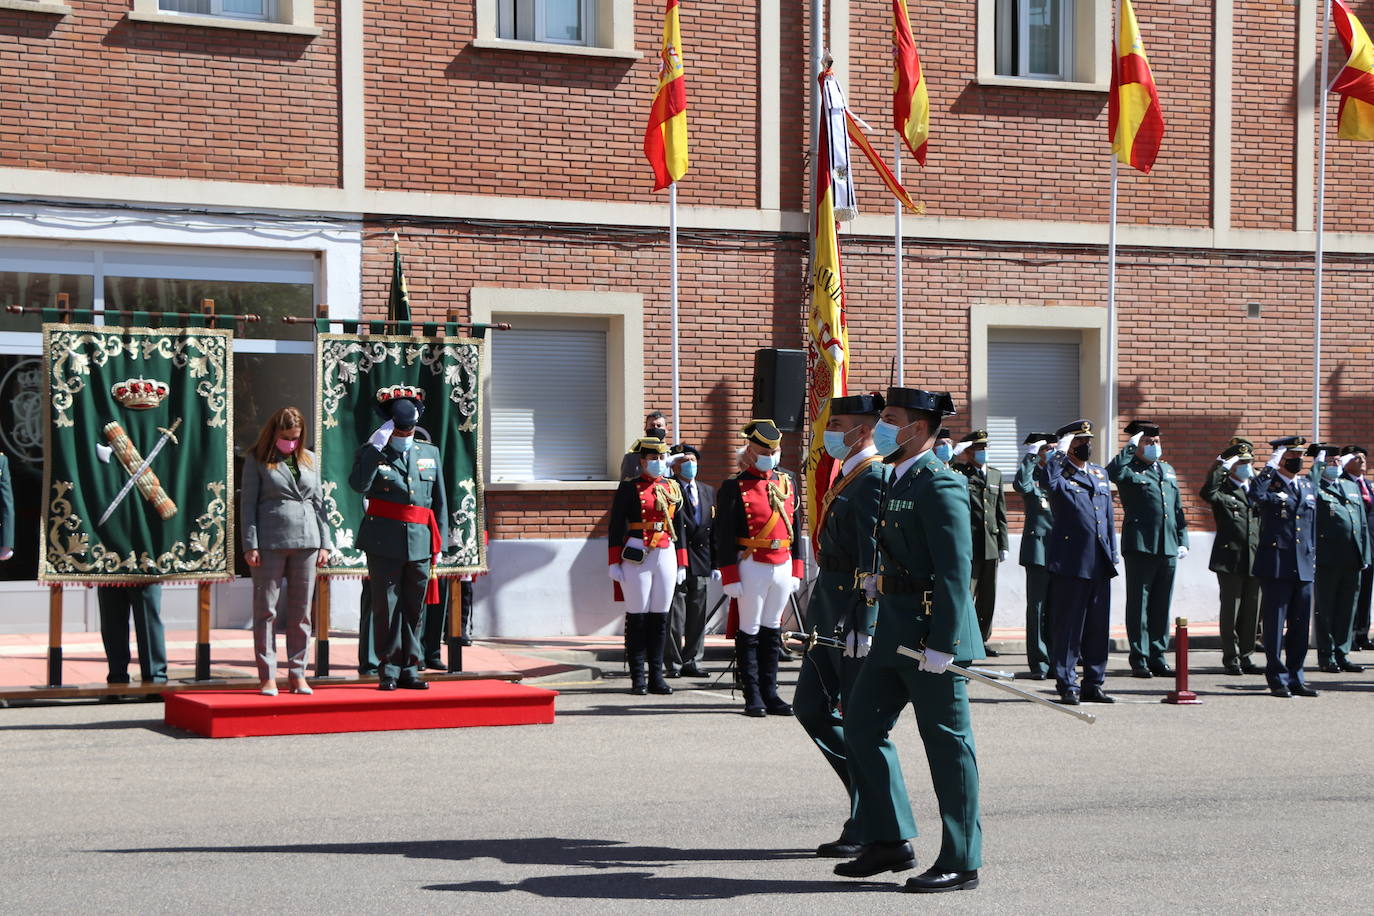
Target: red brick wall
<point x="95" y="92"/>
<point x="1262" y="125"/>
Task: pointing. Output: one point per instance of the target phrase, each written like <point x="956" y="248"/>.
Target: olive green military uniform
<point x="1342" y="552"/>
<point x="924" y="601"/>
<point x="988" y="522"/>
<point x="1233" y="560"/>
<point x="1039" y="520"/>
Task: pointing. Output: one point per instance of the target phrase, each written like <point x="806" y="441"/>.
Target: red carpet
<point x="358" y="708"/>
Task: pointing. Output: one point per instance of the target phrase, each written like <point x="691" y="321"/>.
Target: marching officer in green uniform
<point x="1154" y="537"/>
<point x="1039" y="520"/>
<point x="1343" y="552"/>
<point x="1227" y="490"/>
<point x="402" y="532"/>
<point x="922" y="589"/>
<point x="845" y="546"/>
<point x="988" y="505"/>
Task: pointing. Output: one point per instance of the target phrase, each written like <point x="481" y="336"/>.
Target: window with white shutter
<point x="1033" y="385"/>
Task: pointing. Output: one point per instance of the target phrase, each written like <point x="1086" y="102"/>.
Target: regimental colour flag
<point x="1355" y="82"/>
<point x="1135" y="123"/>
<point x="665" y="139"/>
<point x="910" y="102"/>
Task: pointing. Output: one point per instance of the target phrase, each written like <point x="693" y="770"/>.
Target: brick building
<point x="262" y="153"/>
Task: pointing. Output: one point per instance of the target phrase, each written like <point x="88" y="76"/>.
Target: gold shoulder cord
<point x="777" y="500"/>
<point x="666" y="500"/>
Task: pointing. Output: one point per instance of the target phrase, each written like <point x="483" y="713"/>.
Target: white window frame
<point x="527" y="20"/>
<point x="288" y="17"/>
<point x="269" y="11"/>
<point x="1085" y="48"/>
<point x="609" y="29"/>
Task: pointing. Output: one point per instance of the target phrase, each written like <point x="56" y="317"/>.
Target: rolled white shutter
<point x="1033" y="386"/>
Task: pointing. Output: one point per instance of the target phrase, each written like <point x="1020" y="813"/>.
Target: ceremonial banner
<point x="1135" y="124"/>
<point x="665" y="138"/>
<point x="910" y="101"/>
<point x="1355" y="82"/>
<point x="351" y="368"/>
<point x="137" y="455"/>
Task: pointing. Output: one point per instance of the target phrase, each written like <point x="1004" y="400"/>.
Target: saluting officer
<point x="1154" y="537"/>
<point x="988" y="505"/>
<point x="758" y="544"/>
<point x="1286" y="564"/>
<point x="1355" y="469"/>
<point x="1081" y="560"/>
<point x="844" y="546"/>
<point x="1342" y="554"/>
<point x="1035" y="533"/>
<point x="1227" y="489"/>
<point x="401" y="532"/>
<point x="648" y="561"/>
<point x="922" y="589"/>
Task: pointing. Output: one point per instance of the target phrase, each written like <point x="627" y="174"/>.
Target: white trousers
<point x="766" y="590"/>
<point x="649" y="586"/>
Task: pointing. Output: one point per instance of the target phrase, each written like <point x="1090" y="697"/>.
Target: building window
<point x="255" y="10"/>
<point x="1034" y="385"/>
<point x="556" y="21"/>
<point x="594" y="28"/>
<point x="1045" y="43"/>
<point x="288" y="17"/>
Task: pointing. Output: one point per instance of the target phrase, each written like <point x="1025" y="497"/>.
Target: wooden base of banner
<point x="203" y="631"/>
<point x="55" y="635"/>
<point x="321" y="627"/>
<point x="455" y="625"/>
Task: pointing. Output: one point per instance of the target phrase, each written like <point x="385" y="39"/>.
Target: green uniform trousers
<point x="1239" y="616"/>
<point x="1149" y="595"/>
<point x="825" y="681"/>
<point x="144" y="603"/>
<point x="1038" y="625"/>
<point x="1338" y="591"/>
<point x="398" y="601"/>
<point x="880" y="694"/>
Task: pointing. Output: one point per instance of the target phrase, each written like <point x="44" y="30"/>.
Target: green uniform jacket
<point x="1342" y="527"/>
<point x="847" y="542"/>
<point x="1151" y="505"/>
<point x="6" y="504"/>
<point x="1039" y="516"/>
<point x="921" y="534"/>
<point x="414" y="477"/>
<point x="1237" y="523"/>
<point x="988" y="507"/>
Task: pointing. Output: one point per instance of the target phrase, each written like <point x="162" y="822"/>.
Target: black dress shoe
<point x="1233" y="668"/>
<point x="387" y="683"/>
<point x="877" y="858"/>
<point x="1162" y="669"/>
<point x="1281" y="692"/>
<point x="436" y="664"/>
<point x="639" y="690"/>
<point x="662" y="690"/>
<point x="990" y="653"/>
<point x="1302" y="690"/>
<point x="1096" y="695"/>
<point x="1248" y="667"/>
<point x="465" y="641"/>
<point x="780" y="709"/>
<point x="934" y="881"/>
<point x="670" y="671"/>
<point x="1348" y="666"/>
<point x="1069" y="699"/>
<point x="1329" y="668"/>
<point x="1141" y="672"/>
<point x="840" y="849"/>
<point x="755" y="712"/>
<point x="691" y="669"/>
<point x="412" y="683"/>
<point x="1361" y="644"/>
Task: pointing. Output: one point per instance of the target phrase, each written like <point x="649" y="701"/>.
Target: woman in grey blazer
<point x="285" y="535"/>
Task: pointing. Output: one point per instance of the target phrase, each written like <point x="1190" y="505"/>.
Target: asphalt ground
<point x="1245" y="804"/>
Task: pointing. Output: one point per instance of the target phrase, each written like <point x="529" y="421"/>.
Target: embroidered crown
<point x="139" y="393"/>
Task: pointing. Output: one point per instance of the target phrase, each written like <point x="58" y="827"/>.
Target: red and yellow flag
<point x="665" y="139"/>
<point x="1135" y="124"/>
<point x="856" y="133"/>
<point x="827" y="353"/>
<point x="910" y="103"/>
<point x="1355" y="83"/>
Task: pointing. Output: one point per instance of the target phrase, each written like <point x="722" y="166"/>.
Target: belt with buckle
<point x="648" y="526"/>
<point x="764" y="543"/>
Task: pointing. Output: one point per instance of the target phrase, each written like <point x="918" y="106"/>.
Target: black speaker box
<point x="780" y="388"/>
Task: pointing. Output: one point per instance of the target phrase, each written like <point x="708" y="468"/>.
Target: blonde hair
<point x="265" y="448"/>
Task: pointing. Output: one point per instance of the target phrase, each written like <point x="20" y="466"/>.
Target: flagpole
<point x="1320" y="227"/>
<point x="672" y="270"/>
<point x="897" y="243"/>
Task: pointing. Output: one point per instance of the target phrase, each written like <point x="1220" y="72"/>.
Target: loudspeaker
<point x="780" y="388"/>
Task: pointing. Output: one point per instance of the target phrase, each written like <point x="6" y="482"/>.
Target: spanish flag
<point x="665" y="139"/>
<point x="1355" y="82"/>
<point x="1135" y="124"/>
<point x="910" y="103"/>
<point x="828" y="336"/>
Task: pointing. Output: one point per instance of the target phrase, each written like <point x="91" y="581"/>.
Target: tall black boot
<point x="769" y="650"/>
<point x="747" y="669"/>
<point x="655" y="638"/>
<point x="634" y="653"/>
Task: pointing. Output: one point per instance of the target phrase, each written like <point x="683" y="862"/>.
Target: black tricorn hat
<point x="1315" y="447"/>
<point x="762" y="432"/>
<point x="1142" y="426"/>
<point x="650" y="445"/>
<point x="943" y="433"/>
<point x="401" y="404"/>
<point x="938" y="402"/>
<point x="1079" y="429"/>
<point x="1038" y="437"/>
<point x="870" y="404"/>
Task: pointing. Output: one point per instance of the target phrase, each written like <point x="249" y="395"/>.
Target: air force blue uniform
<point x="1285" y="564"/>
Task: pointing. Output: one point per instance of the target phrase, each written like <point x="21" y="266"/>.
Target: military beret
<point x="1142" y="426"/>
<point x="650" y="446"/>
<point x="1291" y="442"/>
<point x="976" y="437"/>
<point x="762" y="432"/>
<point x="938" y="402"/>
<point x="1079" y="428"/>
<point x="870" y="404"/>
<point x="1240" y="451"/>
<point x="1354" y="450"/>
<point x="682" y="448"/>
<point x="1038" y="437"/>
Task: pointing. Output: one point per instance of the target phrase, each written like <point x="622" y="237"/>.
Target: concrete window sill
<point x="539" y="47"/>
<point x="217" y="22"/>
<point x="36" y="6"/>
<point x="1018" y="82"/>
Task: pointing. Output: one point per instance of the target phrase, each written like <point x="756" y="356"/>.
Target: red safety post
<point x="1181" y="695"/>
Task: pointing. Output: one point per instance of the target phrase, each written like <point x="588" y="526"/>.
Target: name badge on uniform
<point x="427" y="464"/>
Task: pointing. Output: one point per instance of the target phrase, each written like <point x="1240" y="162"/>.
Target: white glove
<point x="1344" y="460"/>
<point x="733" y="590"/>
<point x="1276" y="458"/>
<point x="1001" y="556"/>
<point x="856" y="645"/>
<point x="795" y="584"/>
<point x="1182" y="551"/>
<point x="681" y="574"/>
<point x="715" y="575"/>
<point x="1321" y="458"/>
<point x="1135" y="440"/>
<point x="935" y="661"/>
<point x="615" y="572"/>
<point x="1230" y="463"/>
<point x="379" y="439"/>
<point x="1062" y="446"/>
<point x="6" y="553"/>
<point x="961" y="447"/>
<point x="1033" y="449"/>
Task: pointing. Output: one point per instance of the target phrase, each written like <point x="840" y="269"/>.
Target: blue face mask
<point x="1151" y="452"/>
<point x="885" y="438"/>
<point x="766" y="463"/>
<point x="1331" y="472"/>
<point x="687" y="470"/>
<point x="654" y="467"/>
<point x="980" y="456"/>
<point x="944" y="452"/>
<point x="1243" y="471"/>
<point x="834" y="445"/>
<point x="402" y="443"/>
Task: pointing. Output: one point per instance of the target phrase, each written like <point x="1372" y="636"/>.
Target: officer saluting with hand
<point x="401" y="532"/>
<point x="1034" y="536"/>
<point x="1233" y="553"/>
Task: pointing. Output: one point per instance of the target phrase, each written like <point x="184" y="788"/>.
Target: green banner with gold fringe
<point x="137" y="455"/>
<point x="350" y="370"/>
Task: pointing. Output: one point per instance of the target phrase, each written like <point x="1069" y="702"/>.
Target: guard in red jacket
<point x="758" y="547"/>
<point x="648" y="560"/>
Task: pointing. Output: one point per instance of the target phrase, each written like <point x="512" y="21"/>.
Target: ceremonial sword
<point x="976" y="675"/>
<point x="147" y="463"/>
<point x="812" y="639"/>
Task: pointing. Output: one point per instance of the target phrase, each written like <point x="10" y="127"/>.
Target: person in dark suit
<point x="1227" y="490"/>
<point x="1081" y="560"/>
<point x="988" y="505"/>
<point x="655" y="427"/>
<point x="1355" y="469"/>
<point x="285" y="535"/>
<point x="1285" y="564"/>
<point x="1343" y="553"/>
<point x="687" y="618"/>
<point x="1034" y="535"/>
